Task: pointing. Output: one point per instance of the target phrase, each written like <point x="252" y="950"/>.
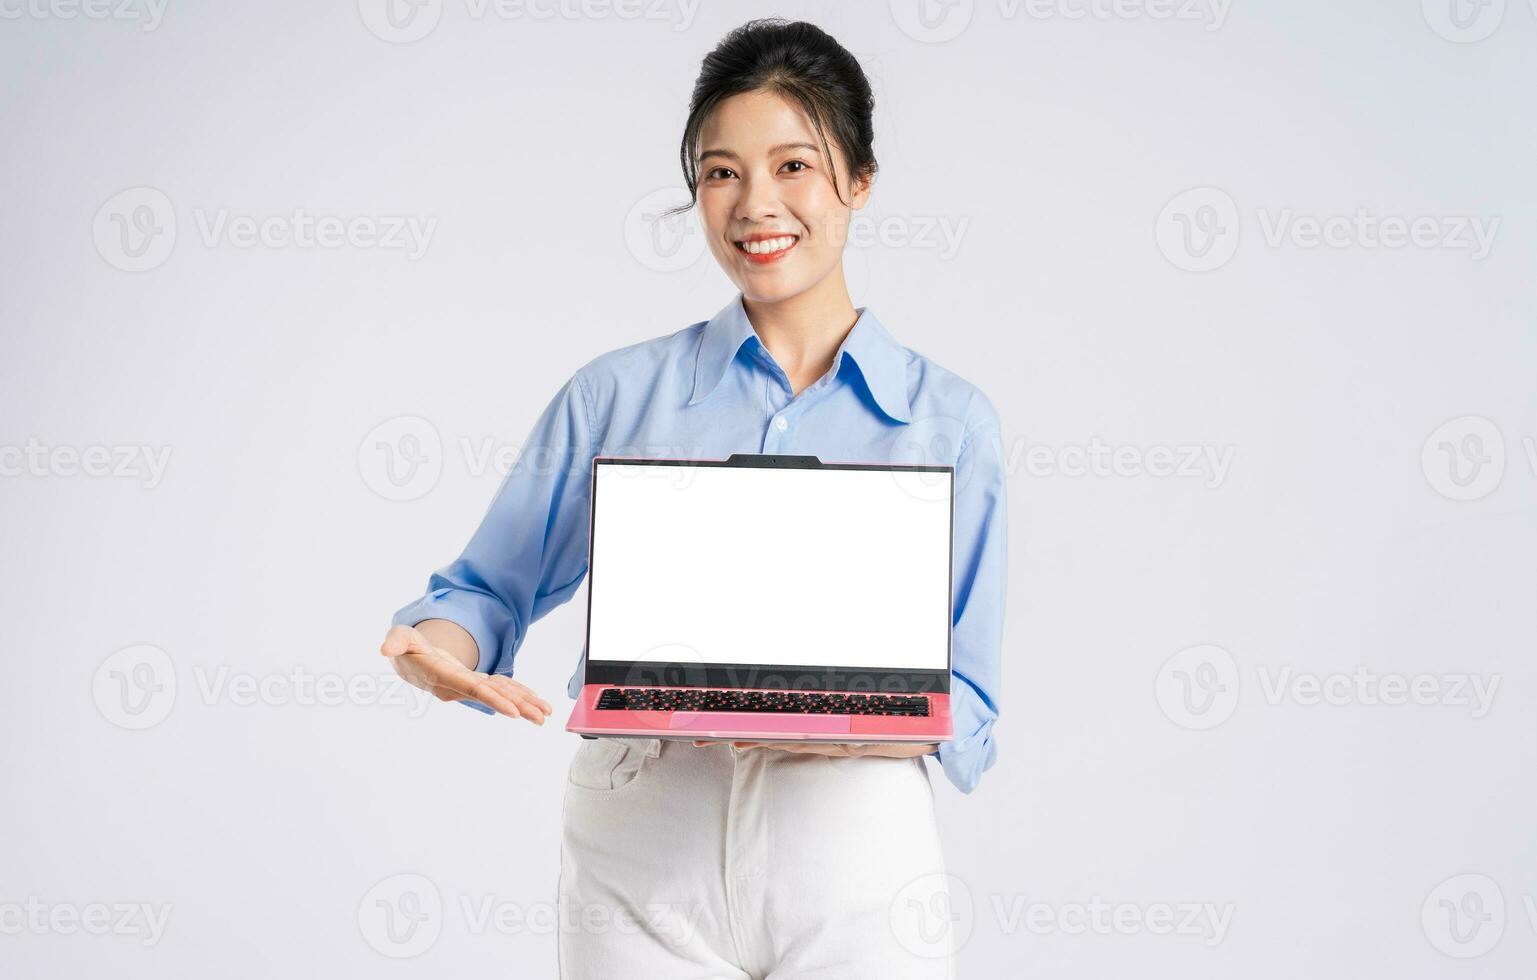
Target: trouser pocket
<point x="609" y="764"/>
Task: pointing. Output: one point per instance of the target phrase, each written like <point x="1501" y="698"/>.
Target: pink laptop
<point x="768" y="598"/>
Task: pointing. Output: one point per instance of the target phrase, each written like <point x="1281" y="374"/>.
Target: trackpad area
<point x="753" y="721"/>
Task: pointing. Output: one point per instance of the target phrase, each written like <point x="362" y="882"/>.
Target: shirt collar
<point x="882" y="362"/>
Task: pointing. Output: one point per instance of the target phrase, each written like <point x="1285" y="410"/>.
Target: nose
<point x="759" y="201"/>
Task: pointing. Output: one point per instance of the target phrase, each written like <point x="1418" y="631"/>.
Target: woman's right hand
<point x="443" y="674"/>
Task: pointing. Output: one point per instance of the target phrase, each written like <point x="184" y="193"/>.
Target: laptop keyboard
<point x="779" y="702"/>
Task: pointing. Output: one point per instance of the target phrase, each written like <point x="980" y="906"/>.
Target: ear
<point x="860" y="196"/>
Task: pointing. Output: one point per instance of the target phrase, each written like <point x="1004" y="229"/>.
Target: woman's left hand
<point x="902" y="750"/>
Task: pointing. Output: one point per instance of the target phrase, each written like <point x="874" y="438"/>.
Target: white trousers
<point x="681" y="862"/>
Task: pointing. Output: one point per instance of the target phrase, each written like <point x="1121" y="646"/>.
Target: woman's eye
<point x="797" y="163"/>
<point x="718" y="173"/>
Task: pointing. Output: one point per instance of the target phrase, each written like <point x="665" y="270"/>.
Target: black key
<point x="796" y="702"/>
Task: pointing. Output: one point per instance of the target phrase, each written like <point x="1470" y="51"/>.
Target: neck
<point x="804" y="331"/>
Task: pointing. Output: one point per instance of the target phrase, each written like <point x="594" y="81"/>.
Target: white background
<point x="1048" y="145"/>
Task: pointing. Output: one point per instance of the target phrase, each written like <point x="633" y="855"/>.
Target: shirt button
<point x="780" y="423"/>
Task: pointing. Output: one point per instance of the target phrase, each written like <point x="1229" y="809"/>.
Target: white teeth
<point x="768" y="245"/>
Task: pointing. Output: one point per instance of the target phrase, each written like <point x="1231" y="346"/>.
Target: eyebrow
<point x="773" y="151"/>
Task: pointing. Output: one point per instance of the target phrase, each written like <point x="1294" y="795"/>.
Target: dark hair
<point x="801" y="62"/>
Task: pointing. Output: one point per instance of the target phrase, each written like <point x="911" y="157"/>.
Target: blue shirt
<point x="705" y="392"/>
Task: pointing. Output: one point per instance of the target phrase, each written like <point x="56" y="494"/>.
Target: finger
<point x="528" y="694"/>
<point x="521" y="697"/>
<point x="486" y="693"/>
<point x="402" y="640"/>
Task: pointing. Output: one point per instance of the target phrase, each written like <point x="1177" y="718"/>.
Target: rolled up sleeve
<point x="980" y="587"/>
<point x="529" y="553"/>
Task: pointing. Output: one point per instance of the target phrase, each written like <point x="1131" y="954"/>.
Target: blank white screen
<point x="754" y="565"/>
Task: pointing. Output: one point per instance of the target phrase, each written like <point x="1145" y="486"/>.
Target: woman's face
<point x="765" y="186"/>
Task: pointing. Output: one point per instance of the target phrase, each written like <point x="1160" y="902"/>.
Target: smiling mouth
<point x="767" y="249"/>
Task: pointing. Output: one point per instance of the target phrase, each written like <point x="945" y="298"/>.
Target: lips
<point x="763" y="249"/>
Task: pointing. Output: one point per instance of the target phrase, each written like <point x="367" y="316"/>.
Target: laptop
<point x="768" y="598"/>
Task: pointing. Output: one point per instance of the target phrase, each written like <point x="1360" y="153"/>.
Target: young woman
<point x="704" y="860"/>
